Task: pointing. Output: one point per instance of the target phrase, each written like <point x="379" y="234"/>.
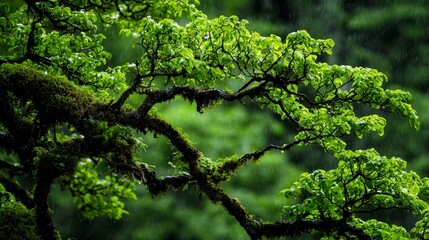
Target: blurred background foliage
<point x="391" y="36"/>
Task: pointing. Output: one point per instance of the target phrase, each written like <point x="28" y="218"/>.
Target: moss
<point x="17" y="222"/>
<point x="56" y="98"/>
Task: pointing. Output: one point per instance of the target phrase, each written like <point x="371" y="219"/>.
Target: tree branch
<point x="45" y="224"/>
<point x="202" y="97"/>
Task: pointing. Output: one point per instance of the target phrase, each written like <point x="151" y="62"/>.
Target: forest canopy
<point x="70" y="117"/>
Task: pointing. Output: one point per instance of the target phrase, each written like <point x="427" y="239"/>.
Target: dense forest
<point x="214" y="120"/>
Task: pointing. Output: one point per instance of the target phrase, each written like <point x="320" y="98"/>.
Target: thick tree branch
<point x="44" y="222"/>
<point x="56" y="99"/>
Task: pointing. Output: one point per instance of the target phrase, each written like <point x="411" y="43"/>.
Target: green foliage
<point x="16" y="221"/>
<point x="421" y="229"/>
<point x="96" y="196"/>
<point x="364" y="182"/>
<point x="6" y="197"/>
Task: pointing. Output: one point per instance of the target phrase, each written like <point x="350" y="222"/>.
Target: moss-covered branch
<point x="56" y="99"/>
